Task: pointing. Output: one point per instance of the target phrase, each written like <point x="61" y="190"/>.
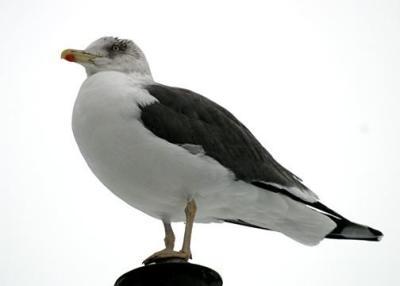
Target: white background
<point x="316" y="81"/>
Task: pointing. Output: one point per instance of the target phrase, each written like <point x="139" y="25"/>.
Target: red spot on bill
<point x="70" y="57"/>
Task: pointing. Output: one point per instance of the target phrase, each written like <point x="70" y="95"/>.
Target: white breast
<point x="145" y="171"/>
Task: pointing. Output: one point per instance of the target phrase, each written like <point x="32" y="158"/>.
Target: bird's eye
<point x="115" y="48"/>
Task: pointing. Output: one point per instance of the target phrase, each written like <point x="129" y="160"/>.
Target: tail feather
<point x="306" y="222"/>
<point x="345" y="229"/>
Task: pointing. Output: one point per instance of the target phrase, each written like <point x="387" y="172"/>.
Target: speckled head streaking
<point x="110" y="54"/>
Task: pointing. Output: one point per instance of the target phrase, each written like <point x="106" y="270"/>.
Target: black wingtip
<point x="352" y="231"/>
<point x="378" y="234"/>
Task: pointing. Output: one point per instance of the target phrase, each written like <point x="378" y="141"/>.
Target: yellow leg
<point x="169" y="239"/>
<point x="190" y="212"/>
<point x="168" y="252"/>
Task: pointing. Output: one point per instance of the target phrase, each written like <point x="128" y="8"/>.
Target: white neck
<point x="140" y="77"/>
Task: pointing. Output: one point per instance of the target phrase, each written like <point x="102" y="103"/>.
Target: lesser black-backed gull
<point x="178" y="156"/>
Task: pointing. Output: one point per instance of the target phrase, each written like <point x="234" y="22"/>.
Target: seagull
<point x="180" y="157"/>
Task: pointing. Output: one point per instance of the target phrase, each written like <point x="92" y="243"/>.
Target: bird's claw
<point x="167" y="254"/>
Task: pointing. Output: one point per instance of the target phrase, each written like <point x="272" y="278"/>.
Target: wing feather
<point x="183" y="117"/>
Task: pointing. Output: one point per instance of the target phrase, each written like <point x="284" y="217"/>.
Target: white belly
<point x="145" y="171"/>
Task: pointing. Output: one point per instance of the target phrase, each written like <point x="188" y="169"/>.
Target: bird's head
<point x="110" y="54"/>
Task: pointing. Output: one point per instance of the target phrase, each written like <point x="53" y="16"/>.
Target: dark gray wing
<point x="183" y="117"/>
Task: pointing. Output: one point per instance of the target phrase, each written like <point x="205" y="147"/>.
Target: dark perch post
<point x="170" y="273"/>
